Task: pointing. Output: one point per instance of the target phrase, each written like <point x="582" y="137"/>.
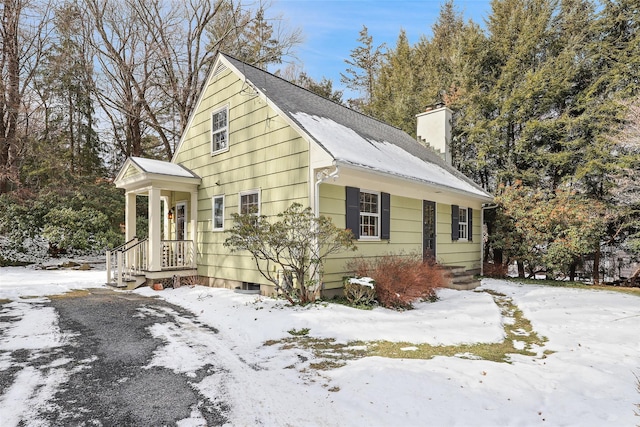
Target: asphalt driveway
<point x="106" y="349"/>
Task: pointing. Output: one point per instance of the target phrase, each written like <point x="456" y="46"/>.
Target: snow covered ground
<point x="588" y="380"/>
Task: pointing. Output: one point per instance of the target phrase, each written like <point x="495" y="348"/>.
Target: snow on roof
<point x="348" y="146"/>
<point x="162" y="167"/>
<point x="355" y="139"/>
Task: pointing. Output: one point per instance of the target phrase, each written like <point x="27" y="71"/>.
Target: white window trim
<point x="246" y="193"/>
<point x="377" y="215"/>
<point x="225" y="129"/>
<point x="466" y="224"/>
<point x="213" y="212"/>
<point x="185" y="225"/>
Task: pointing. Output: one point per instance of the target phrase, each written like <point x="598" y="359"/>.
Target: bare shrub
<point x="400" y="279"/>
<point x="498" y="271"/>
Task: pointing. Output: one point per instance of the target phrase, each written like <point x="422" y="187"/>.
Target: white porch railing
<point x="177" y="254"/>
<point x="127" y="260"/>
<point x="132" y="259"/>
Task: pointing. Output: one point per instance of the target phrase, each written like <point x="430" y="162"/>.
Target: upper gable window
<point x="220" y="130"/>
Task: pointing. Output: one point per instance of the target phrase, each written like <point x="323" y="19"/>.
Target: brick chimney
<point x="434" y="129"/>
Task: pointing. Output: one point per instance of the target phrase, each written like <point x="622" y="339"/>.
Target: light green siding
<point x="457" y="253"/>
<point x="406" y="234"/>
<point x="406" y="231"/>
<point x="264" y="154"/>
<point x="131" y="171"/>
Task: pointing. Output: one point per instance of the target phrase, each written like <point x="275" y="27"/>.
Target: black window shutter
<point x="455" y="217"/>
<point x="470" y="224"/>
<point x="385" y="223"/>
<point x="353" y="210"/>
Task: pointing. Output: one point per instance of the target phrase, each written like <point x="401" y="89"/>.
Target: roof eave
<point x="486" y="197"/>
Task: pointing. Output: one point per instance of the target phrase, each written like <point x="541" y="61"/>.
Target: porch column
<point x="194" y="225"/>
<point x="130" y="216"/>
<point x="165" y="214"/>
<point x="155" y="243"/>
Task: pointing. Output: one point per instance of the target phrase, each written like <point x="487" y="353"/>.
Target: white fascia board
<point x="165" y="182"/>
<point x="432" y="185"/>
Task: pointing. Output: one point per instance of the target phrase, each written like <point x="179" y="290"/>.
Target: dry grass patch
<point x="71" y="294"/>
<point x="520" y="338"/>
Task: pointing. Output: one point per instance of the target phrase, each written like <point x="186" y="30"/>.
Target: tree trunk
<point x="596" y="266"/>
<point x="10" y="102"/>
<point x="572" y="271"/>
<point x="520" y="270"/>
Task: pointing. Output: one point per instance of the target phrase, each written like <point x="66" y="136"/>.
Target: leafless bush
<point x="400" y="279"/>
<point x="498" y="271"/>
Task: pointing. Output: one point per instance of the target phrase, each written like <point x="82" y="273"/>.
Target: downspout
<point x="321" y="177"/>
<point x="484" y="206"/>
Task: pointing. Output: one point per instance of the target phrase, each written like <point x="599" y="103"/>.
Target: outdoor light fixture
<point x="170" y="214"/>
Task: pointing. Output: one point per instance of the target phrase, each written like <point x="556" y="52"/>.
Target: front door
<point x="428" y="229"/>
<point x="181" y="221"/>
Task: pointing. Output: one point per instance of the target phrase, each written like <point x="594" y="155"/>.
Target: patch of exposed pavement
<point x="100" y="369"/>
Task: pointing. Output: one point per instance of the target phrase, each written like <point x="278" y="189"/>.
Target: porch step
<point x="461" y="279"/>
<point x="129" y="284"/>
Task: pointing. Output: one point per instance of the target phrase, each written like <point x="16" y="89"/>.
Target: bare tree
<point x="154" y="57"/>
<point x="23" y="36"/>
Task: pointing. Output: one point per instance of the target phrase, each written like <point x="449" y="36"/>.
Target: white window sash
<point x="222" y="130"/>
<point x="373" y="217"/>
<point x="249" y="193"/>
<point x="214" y="226"/>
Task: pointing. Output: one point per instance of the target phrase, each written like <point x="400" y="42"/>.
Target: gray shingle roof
<point x="318" y="117"/>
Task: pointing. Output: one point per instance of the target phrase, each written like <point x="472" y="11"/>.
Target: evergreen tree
<point x="323" y="88"/>
<point x="65" y="84"/>
<point x="396" y="98"/>
<point x="363" y="70"/>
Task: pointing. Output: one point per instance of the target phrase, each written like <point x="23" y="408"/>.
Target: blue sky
<point x="331" y="27"/>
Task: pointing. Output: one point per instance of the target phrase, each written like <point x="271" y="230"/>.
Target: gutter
<point x="474" y="195"/>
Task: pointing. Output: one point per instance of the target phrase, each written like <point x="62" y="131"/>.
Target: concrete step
<point x="460" y="278"/>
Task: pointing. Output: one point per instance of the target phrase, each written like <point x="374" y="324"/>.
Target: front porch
<point x="170" y="247"/>
<point x="128" y="265"/>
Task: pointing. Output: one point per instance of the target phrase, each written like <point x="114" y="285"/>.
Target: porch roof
<point x="139" y="174"/>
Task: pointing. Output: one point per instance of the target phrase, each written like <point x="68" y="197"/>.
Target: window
<point x="218" y="213"/>
<point x="463" y="226"/>
<point x="219" y="130"/>
<point x="369" y="215"/>
<point x="250" y="202"/>
<point x="461" y="223"/>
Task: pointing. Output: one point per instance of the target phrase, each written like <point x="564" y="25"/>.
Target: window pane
<point x="218" y="212"/>
<point x="220" y="120"/>
<point x="368" y="202"/>
<point x="219" y="130"/>
<point x="249" y="203"/>
<point x="219" y="140"/>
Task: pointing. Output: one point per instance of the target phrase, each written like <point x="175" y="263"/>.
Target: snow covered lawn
<point x="586" y="380"/>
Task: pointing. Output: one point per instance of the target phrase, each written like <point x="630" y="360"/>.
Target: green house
<point x="256" y="142"/>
